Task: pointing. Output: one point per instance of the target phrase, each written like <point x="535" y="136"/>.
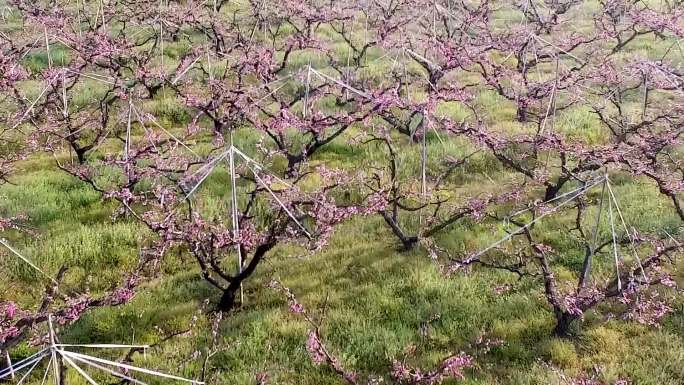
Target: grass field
<point x="381" y="303"/>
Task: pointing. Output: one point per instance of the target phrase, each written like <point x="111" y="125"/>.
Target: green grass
<point x="380" y="302"/>
<point x="378" y="299"/>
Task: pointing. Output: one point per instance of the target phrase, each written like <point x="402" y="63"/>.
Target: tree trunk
<point x="521" y="114"/>
<point x="79" y="151"/>
<point x="227" y="300"/>
<point x="408" y="241"/>
<point x="552" y="190"/>
<point x="4" y="364"/>
<point x="293" y="162"/>
<point x="563" y="323"/>
<point x="62" y="371"/>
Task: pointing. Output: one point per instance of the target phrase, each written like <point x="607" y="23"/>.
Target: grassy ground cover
<point x="381" y="303"/>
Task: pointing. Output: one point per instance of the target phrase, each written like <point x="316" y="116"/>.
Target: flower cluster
<point x="9" y="313"/>
<point x="294" y="305"/>
<point x="647" y="309"/>
<point x="451" y="368"/>
<point x="74" y="309"/>
<point x="315" y="348"/>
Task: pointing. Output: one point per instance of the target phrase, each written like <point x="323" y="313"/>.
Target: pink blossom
<point x="450" y="368"/>
<point x="122" y="295"/>
<point x="9" y="332"/>
<point x="262" y="378"/>
<point x="502" y="289"/>
<point x="375" y="203"/>
<point x="11" y="309"/>
<point x="648" y="310"/>
<point x="75" y="308"/>
<point x="315" y="349"/>
<point x="296" y="308"/>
